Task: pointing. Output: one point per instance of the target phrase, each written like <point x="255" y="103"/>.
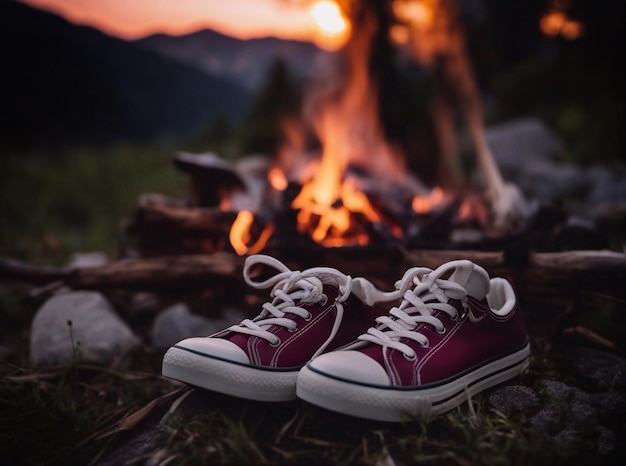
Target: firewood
<point x="547" y="276"/>
<point x="161" y="229"/>
<point x="167" y="273"/>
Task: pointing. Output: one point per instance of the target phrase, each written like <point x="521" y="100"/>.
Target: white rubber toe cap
<point x="217" y="347"/>
<point x="352" y="366"/>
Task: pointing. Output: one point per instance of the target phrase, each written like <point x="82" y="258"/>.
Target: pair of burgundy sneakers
<point x="451" y="333"/>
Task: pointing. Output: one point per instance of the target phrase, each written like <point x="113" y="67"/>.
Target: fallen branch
<point x="168" y="273"/>
<point x="547" y="276"/>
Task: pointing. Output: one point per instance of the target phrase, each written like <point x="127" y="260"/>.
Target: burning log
<point x="546" y="277"/>
<point x="163" y="229"/>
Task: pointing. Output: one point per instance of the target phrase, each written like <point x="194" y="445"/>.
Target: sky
<point x="132" y="19"/>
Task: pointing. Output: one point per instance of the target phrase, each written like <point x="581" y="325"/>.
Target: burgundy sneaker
<point x="448" y="340"/>
<point x="311" y="312"/>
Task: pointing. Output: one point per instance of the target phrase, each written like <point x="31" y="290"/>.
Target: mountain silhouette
<point x="243" y="61"/>
<point x="67" y="83"/>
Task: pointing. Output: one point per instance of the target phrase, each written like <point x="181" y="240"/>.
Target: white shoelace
<point x="289" y="287"/>
<point x="423" y="292"/>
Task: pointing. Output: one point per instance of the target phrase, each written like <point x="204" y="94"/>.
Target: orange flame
<point x="331" y="217"/>
<point x="472" y="208"/>
<point x="331" y="207"/>
<point x="277" y="179"/>
<point x="348" y="127"/>
<point x="423" y="204"/>
<point x="417" y="13"/>
<point x="240" y="234"/>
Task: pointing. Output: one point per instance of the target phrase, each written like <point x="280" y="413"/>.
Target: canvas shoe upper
<point x="309" y="313"/>
<point x="456" y="333"/>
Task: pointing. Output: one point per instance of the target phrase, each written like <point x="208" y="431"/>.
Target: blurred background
<point x="96" y="97"/>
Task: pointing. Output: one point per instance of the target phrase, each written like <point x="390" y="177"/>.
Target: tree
<point x="279" y="98"/>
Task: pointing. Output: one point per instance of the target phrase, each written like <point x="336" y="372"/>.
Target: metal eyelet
<point x="425" y="345"/>
<point x="292" y="330"/>
<point x="455" y="317"/>
<point x="410" y="358"/>
<point x="441" y="332"/>
<point x="308" y="316"/>
<point x="324" y="300"/>
<point x="276" y="343"/>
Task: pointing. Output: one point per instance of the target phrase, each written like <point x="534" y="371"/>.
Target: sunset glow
<point x="329" y="17"/>
<point x="139" y="18"/>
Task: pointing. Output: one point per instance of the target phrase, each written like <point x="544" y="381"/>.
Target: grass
<point x="58" y="204"/>
<point x="54" y="204"/>
<point x="75" y="416"/>
<point x="47" y="415"/>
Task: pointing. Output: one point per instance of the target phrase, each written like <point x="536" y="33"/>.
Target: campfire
<point x="353" y="187"/>
<point x="339" y="191"/>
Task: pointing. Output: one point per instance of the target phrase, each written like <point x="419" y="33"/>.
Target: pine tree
<point x="280" y="97"/>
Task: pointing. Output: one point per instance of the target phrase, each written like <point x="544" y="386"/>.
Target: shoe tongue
<point x="472" y="277"/>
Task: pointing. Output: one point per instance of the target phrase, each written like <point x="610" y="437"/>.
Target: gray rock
<point x="607" y="184"/>
<point x="529" y="154"/>
<point x="517" y="142"/>
<point x="573" y="418"/>
<point x="178" y="322"/>
<point x="81" y="260"/>
<point x="576" y="403"/>
<point x="605" y="441"/>
<point x="607" y="194"/>
<point x="96" y="332"/>
<point x="605" y="370"/>
<point x="581" y="415"/>
<point x="513" y="398"/>
<point x="547" y="421"/>
<point x="570" y="441"/>
<point x="554" y="390"/>
<point x="609" y="404"/>
<point x="550" y="181"/>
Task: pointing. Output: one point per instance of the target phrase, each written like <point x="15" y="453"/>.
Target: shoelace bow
<point x="423" y="292"/>
<point x="290" y="287"/>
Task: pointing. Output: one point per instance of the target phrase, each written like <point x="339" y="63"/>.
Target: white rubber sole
<point x="231" y="378"/>
<point x="398" y="405"/>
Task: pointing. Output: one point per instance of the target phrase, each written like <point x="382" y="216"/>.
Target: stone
<point x="177" y="322"/>
<point x="553" y="389"/>
<point x="609" y="405"/>
<point x="81" y="260"/>
<point x="607" y="193"/>
<point x="570" y="441"/>
<point x="604" y="370"/>
<point x="605" y="441"/>
<point x="519" y="141"/>
<point x="547" y="421"/>
<point x="78" y="326"/>
<point x="513" y="398"/>
<point x="550" y="181"/>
